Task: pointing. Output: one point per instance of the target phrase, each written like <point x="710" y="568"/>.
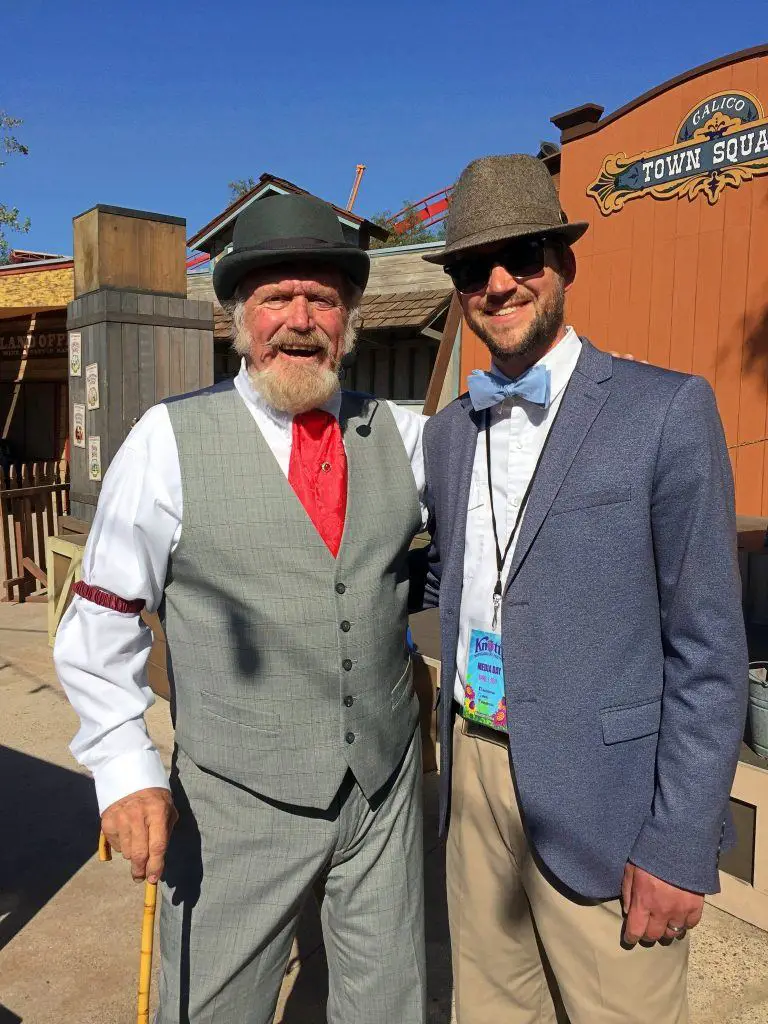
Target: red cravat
<point x="318" y="473"/>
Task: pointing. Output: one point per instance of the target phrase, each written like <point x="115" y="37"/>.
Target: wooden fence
<point x="32" y="499"/>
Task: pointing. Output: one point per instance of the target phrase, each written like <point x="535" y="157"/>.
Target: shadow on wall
<point x="756" y="342"/>
<point x="756" y="335"/>
<point x="53" y="822"/>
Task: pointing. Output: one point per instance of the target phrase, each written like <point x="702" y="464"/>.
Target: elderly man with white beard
<point x="268" y="520"/>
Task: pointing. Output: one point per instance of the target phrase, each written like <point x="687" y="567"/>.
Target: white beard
<point x="297" y="389"/>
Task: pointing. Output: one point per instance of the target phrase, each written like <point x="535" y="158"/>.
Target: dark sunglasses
<point x="525" y="257"/>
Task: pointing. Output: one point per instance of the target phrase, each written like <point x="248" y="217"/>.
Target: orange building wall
<point x="474" y="355"/>
<point x="677" y="282"/>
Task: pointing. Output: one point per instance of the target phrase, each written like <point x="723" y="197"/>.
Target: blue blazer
<point x="622" y="631"/>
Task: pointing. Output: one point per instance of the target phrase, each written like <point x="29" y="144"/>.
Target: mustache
<point x="288" y="339"/>
<point x="492" y="304"/>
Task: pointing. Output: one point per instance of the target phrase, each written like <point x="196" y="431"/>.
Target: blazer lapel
<point x="584" y="397"/>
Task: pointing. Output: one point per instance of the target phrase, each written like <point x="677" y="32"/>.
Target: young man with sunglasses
<point x="594" y="660"/>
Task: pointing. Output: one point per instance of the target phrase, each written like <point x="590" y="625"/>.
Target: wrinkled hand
<point x="628" y="357"/>
<point x="139" y="826"/>
<point x="651" y="905"/>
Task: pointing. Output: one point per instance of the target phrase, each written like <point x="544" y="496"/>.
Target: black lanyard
<point x="501" y="558"/>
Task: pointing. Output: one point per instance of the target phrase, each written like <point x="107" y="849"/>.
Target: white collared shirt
<point x="518" y="432"/>
<point x="101" y="655"/>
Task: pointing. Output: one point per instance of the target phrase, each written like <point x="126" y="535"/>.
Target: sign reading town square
<point x="722" y="142"/>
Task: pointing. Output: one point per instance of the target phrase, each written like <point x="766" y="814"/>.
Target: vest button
<point x="345" y="626"/>
<point x="350" y="737"/>
<point x="347" y="664"/>
<point x="348" y="702"/>
<point x="340" y="588"/>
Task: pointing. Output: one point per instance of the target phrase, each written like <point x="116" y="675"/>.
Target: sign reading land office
<point x="722" y="142"/>
<point x="31" y="346"/>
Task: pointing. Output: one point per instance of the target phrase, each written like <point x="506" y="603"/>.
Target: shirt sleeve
<point x="100" y="654"/>
<point x="411" y="427"/>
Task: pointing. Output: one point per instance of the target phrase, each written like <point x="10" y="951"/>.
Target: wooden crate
<point x="157" y="666"/>
<point x="748" y="899"/>
<point x="64" y="558"/>
<point x="120" y="248"/>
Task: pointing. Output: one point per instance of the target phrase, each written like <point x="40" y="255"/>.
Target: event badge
<point x="484" y="698"/>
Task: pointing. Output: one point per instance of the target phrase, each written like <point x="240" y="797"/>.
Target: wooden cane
<point x="147" y="937"/>
<point x="145" y="959"/>
<point x="105" y="850"/>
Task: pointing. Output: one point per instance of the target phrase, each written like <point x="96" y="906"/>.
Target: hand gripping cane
<point x="147" y="937"/>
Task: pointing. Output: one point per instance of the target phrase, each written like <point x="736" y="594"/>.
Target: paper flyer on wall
<point x="94" y="458"/>
<point x="78" y="426"/>
<point x="75" y="354"/>
<point x="92" y="385"/>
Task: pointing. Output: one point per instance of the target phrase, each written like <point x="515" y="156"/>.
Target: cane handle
<point x="105" y="850"/>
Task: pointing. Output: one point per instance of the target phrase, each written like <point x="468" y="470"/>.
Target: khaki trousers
<point x="519" y="945"/>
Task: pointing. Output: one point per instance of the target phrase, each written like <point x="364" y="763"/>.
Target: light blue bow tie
<point x="488" y="389"/>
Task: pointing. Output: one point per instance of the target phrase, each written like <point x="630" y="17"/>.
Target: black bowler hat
<point x="287" y="229"/>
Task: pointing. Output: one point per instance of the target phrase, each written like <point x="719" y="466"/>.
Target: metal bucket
<point x="758" y="707"/>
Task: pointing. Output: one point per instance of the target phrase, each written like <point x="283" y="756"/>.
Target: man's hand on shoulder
<point x="629" y="358"/>
<point x="139" y="826"/>
<point x="655" y="909"/>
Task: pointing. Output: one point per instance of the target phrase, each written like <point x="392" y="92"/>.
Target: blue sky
<point x="157" y="105"/>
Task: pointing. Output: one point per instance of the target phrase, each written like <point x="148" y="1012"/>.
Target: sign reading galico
<point x="722" y="141"/>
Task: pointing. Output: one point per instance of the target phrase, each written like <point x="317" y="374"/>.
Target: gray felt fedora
<point x="287" y="229"/>
<point x="503" y="197"/>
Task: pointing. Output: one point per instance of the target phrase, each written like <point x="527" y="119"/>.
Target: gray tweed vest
<point x="289" y="666"/>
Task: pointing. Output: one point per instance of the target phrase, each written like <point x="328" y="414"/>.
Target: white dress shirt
<point x="101" y="655"/>
<point x="517" y="433"/>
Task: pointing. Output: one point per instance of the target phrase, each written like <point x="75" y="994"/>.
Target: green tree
<point x="240" y="187"/>
<point x="412" y="230"/>
<point x="10" y="219"/>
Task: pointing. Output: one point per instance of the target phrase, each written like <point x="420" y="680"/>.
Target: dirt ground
<point x="69" y="925"/>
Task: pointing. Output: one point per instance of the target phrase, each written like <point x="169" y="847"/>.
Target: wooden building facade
<point x="678" y="274"/>
<point x="674" y="267"/>
<point x="34" y="293"/>
<point x="403" y="313"/>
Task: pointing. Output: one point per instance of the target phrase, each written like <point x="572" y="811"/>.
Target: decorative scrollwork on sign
<point x="722" y="143"/>
<point x="603" y="190"/>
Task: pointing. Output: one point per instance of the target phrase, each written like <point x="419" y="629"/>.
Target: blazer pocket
<point x="243" y="711"/>
<point x="403" y="687"/>
<point x="591" y="499"/>
<point x="631" y="723"/>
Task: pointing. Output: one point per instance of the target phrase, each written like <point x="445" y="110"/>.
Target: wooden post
<point x="444" y="353"/>
<point x="136" y="325"/>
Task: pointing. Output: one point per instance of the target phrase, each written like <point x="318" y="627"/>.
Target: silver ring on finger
<point x="676" y="929"/>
